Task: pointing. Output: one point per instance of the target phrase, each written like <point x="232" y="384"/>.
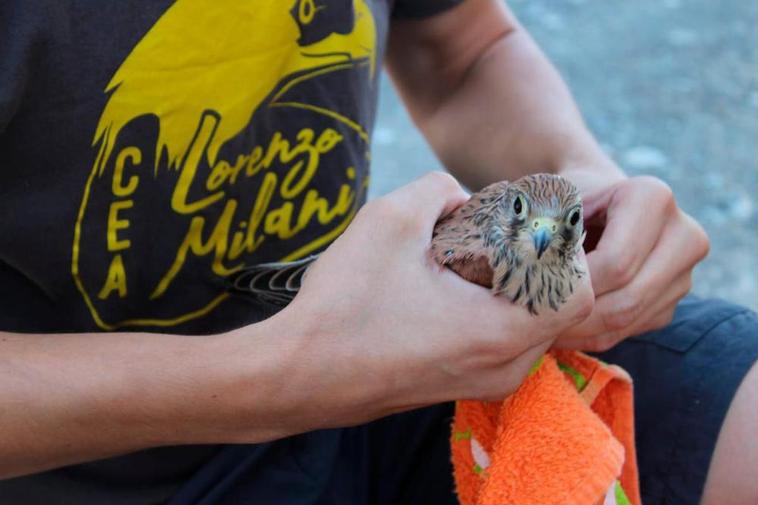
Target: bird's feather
<point x="458" y="241"/>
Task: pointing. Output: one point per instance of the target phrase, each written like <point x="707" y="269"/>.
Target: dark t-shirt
<point x="148" y="149"/>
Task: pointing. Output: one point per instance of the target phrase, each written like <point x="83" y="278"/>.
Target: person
<point x="151" y="149"/>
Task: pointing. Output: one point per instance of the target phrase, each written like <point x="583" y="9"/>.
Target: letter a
<point x="116" y="280"/>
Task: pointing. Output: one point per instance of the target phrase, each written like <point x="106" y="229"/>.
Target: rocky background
<point x="670" y="87"/>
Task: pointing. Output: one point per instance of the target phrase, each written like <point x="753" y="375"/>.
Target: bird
<point x="520" y="239"/>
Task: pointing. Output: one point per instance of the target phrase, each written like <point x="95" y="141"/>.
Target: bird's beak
<point x="542" y="233"/>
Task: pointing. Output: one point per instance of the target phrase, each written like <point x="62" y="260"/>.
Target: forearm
<point x="502" y="111"/>
<point x="517" y="115"/>
<point x="65" y="399"/>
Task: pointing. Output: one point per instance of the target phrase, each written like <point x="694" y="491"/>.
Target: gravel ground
<point x="670" y="87"/>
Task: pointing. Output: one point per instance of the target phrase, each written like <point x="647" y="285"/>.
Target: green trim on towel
<point x="621" y="498"/>
<point x="536" y="366"/>
<point x="462" y="435"/>
<point x="579" y="379"/>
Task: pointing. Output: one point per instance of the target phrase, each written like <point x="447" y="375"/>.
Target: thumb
<point x="430" y="197"/>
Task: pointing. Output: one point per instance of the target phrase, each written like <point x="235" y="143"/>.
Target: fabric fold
<point x="565" y="437"/>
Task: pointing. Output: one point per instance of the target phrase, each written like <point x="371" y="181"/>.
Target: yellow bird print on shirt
<point x="227" y="56"/>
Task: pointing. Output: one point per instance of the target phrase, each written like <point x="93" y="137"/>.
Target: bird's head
<point x="541" y="219"/>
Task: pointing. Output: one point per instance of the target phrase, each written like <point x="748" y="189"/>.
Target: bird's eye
<point x="574" y="217"/>
<point x="518" y="206"/>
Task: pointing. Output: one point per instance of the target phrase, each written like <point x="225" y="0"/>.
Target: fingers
<point x="654" y="318"/>
<point x="530" y="338"/>
<point x="636" y="212"/>
<point x="416" y="207"/>
<point x="520" y="329"/>
<point x="651" y="296"/>
<point x="506" y="379"/>
<point x="639" y="272"/>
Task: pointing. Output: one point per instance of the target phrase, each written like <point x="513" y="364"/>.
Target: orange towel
<point x="565" y="437"/>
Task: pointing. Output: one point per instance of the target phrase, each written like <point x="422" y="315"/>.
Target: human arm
<point x="377" y="328"/>
<point x="71" y="398"/>
<point x="493" y="107"/>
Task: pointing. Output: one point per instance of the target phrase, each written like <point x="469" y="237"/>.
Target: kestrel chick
<point x="518" y="238"/>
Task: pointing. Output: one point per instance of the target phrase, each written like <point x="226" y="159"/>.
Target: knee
<point x="731" y="476"/>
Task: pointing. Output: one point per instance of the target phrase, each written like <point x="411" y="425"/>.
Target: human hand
<point x="380" y="327"/>
<point x="642" y="249"/>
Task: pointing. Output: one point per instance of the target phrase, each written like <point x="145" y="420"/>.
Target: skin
<point x="339" y="355"/>
<point x="729" y="483"/>
<point x="345" y="355"/>
<point x="493" y="82"/>
<point x="539" y="129"/>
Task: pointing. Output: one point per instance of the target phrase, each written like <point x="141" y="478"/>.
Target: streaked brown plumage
<point x="518" y="238"/>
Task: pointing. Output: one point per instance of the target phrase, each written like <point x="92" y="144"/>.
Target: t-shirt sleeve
<point x="421" y="8"/>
